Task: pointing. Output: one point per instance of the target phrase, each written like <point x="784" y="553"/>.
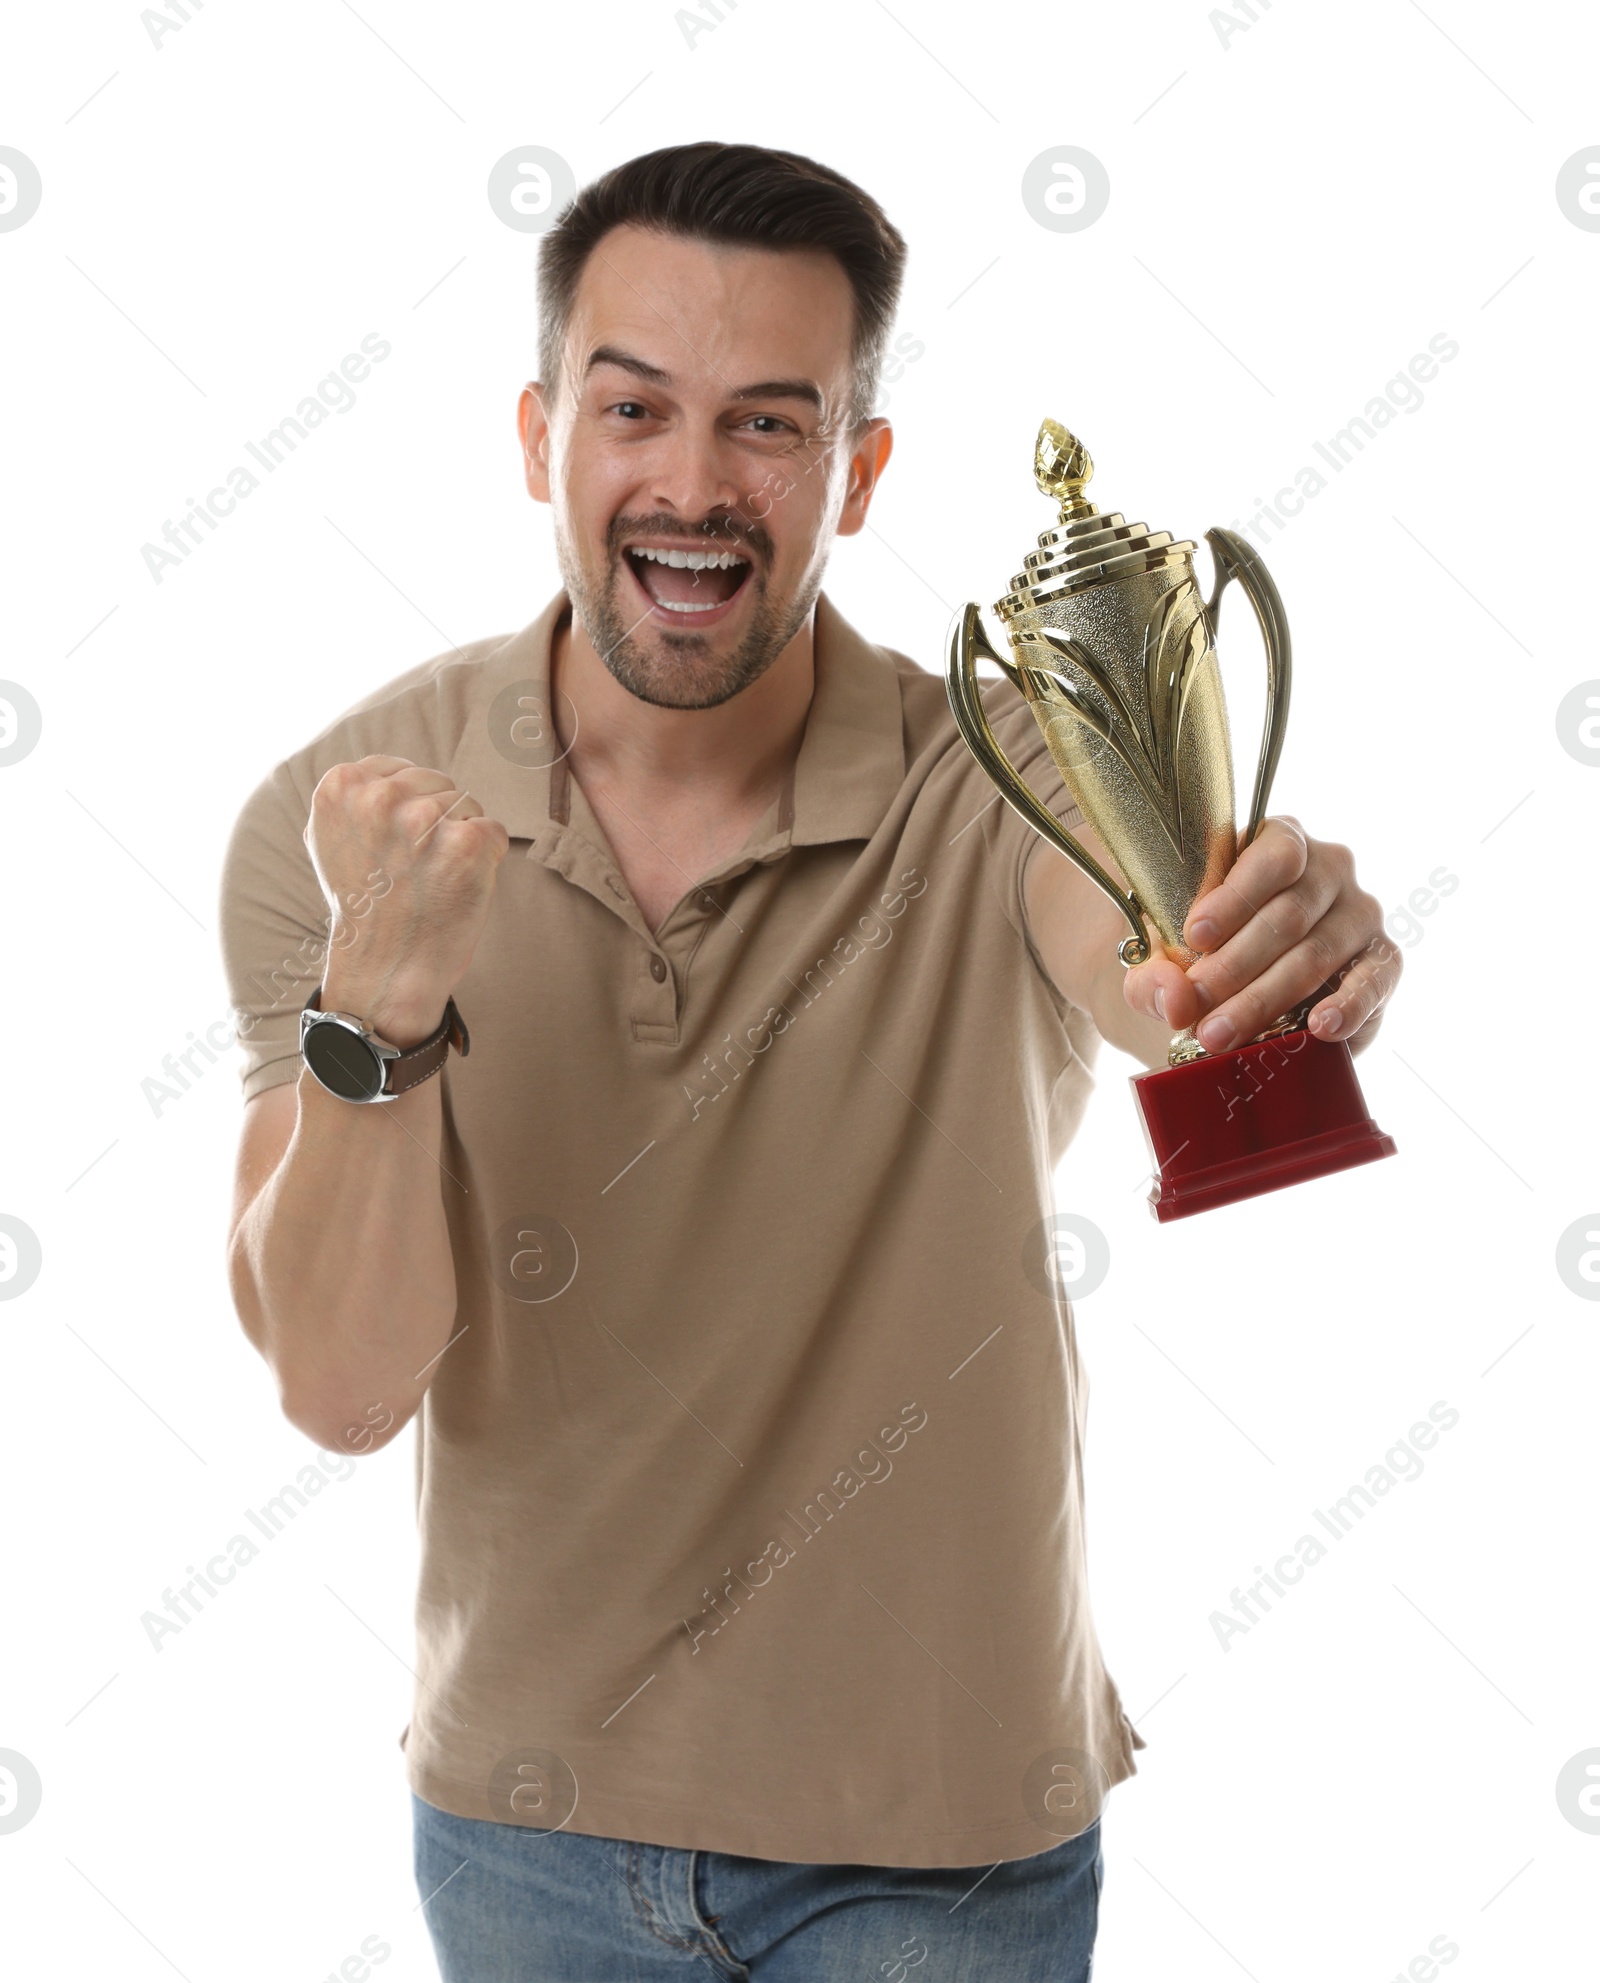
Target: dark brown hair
<point x="745" y="196"/>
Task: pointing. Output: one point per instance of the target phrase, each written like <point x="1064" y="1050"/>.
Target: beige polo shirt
<point x="750" y="1490"/>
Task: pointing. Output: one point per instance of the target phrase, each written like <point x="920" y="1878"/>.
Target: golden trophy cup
<point x="1113" y="647"/>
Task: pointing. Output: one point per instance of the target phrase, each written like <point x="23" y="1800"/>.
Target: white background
<point x="1297" y="206"/>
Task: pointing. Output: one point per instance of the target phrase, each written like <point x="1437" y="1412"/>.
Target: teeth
<point x="684" y="606"/>
<point x="690" y="560"/>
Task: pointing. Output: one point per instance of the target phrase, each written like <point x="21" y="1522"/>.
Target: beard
<point x="680" y="670"/>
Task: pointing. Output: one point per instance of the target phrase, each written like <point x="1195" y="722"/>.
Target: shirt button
<point x="658" y="969"/>
<point x="707" y="900"/>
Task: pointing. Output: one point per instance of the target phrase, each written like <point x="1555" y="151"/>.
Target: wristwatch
<point x="353" y="1063"/>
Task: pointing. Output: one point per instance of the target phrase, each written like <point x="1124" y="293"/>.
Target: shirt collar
<point x="850" y="764"/>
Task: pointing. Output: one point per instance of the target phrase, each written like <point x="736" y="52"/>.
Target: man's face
<point x="697" y="453"/>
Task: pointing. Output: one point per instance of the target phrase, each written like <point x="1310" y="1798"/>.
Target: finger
<point x="465" y="836"/>
<point x="464" y="806"/>
<point x="449" y="804"/>
<point x="1289" y="918"/>
<point x="419" y="780"/>
<point x="1274" y="860"/>
<point x="497" y="836"/>
<point x="1161" y="989"/>
<point x="1365" y="987"/>
<point x="1300" y="973"/>
<point x="374" y="785"/>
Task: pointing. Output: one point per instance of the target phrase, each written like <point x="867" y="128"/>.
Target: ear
<point x="869" y="456"/>
<point x="534" y="429"/>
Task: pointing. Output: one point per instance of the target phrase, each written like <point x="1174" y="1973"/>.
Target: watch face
<point x="342" y="1061"/>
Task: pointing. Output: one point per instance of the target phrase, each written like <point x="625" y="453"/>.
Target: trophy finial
<point x="1062" y="467"/>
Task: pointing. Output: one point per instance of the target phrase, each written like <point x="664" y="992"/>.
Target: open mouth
<point x="688" y="588"/>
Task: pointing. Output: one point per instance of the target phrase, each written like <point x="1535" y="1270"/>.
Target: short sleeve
<point x="1010" y="838"/>
<point x="274" y="925"/>
<point x="1012" y="843"/>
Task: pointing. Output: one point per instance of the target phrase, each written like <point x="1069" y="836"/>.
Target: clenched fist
<point x="421" y="858"/>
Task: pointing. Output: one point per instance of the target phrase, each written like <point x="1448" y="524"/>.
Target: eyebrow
<point x="801" y="389"/>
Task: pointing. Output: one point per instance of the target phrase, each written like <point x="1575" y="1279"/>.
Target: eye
<point x="773" y="424"/>
<point x="631" y="409"/>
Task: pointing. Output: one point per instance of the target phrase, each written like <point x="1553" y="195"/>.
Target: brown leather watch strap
<point x="414" y="1065"/>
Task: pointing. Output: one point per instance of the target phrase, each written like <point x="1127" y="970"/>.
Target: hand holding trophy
<point x="1112" y="645"/>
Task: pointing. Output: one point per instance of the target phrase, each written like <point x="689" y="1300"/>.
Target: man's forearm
<point x="341" y="1265"/>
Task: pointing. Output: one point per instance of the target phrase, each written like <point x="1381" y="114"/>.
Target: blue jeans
<point x="507" y="1904"/>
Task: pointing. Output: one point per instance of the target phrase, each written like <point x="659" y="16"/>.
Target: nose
<point x="695" y="475"/>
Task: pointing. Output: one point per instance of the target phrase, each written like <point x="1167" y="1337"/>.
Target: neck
<point x="738" y="751"/>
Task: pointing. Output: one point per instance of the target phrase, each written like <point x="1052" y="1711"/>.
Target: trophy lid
<point x="1085" y="547"/>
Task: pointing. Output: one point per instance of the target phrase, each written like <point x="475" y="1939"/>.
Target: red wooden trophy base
<point x="1256" y="1118"/>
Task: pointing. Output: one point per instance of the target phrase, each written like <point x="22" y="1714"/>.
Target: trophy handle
<point x="1234" y="558"/>
<point x="967" y="641"/>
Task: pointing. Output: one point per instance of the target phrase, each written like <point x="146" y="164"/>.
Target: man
<point x="741" y="1030"/>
